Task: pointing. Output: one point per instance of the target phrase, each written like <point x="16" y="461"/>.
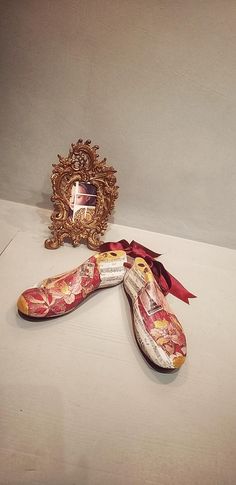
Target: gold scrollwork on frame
<point x="84" y="194"/>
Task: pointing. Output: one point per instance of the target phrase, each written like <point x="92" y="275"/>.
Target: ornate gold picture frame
<point x="84" y="194"/>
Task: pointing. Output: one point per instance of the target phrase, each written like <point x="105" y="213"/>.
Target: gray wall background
<point x="153" y="82"/>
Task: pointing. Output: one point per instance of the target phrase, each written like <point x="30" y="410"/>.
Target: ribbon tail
<point x="178" y="290"/>
<point x="142" y="251"/>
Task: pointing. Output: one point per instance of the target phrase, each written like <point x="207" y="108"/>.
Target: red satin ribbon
<point x="167" y="282"/>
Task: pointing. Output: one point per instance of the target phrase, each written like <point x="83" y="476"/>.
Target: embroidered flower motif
<point x="59" y="294"/>
<point x="172" y="339"/>
<point x="160" y="323"/>
<point x="68" y="290"/>
<point x="40" y="302"/>
<point x="168" y="333"/>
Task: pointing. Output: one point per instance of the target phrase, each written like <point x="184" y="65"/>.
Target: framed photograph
<point x="84" y="194"/>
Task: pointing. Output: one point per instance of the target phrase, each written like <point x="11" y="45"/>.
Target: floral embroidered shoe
<point x="157" y="330"/>
<point x="63" y="293"/>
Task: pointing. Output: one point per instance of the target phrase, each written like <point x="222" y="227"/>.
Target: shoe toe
<point x="179" y="361"/>
<point x="22" y="305"/>
<point x="34" y="302"/>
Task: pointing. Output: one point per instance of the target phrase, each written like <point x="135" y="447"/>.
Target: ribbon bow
<point x="167" y="282"/>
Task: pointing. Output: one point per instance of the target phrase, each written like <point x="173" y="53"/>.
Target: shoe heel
<point x="136" y="277"/>
<point x="111" y="267"/>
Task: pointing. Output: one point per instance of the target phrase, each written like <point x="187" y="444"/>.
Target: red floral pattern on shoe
<point x="61" y="294"/>
<point x="157" y="330"/>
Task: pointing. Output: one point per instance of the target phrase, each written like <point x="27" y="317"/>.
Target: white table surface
<point x="80" y="405"/>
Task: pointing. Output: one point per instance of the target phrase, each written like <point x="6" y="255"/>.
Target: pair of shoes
<point x="158" y="332"/>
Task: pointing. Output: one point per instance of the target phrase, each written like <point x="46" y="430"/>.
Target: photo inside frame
<point x="83" y="196"/>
